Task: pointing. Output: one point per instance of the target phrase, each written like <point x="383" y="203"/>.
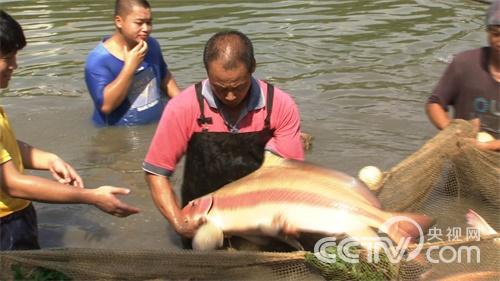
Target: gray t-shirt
<point x="468" y="86"/>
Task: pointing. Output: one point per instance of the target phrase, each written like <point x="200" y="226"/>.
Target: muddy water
<point x="360" y="72"/>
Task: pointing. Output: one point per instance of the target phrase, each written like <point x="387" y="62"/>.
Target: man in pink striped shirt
<point x="223" y="125"/>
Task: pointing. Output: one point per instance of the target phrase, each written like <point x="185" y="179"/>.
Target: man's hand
<point x="64" y="173"/>
<point x="493" y="145"/>
<point x="105" y="199"/>
<point x="134" y="57"/>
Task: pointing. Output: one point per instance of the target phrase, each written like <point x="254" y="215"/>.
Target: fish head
<point x="198" y="208"/>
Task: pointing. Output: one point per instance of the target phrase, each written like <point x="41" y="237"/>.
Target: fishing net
<point x="443" y="179"/>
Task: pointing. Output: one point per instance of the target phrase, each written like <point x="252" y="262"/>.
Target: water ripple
<point x="374" y="57"/>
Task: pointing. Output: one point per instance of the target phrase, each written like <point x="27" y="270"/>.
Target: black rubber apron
<point x="214" y="159"/>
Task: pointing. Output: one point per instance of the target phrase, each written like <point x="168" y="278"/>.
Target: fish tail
<point x="476" y="221"/>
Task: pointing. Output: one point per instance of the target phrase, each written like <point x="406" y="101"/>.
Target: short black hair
<point x="493" y="13"/>
<point x="242" y="50"/>
<point x="123" y="7"/>
<point x="11" y="34"/>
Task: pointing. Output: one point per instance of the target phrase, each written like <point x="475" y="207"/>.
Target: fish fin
<point x="401" y="229"/>
<point x="281" y="229"/>
<point x="366" y="237"/>
<point x="369" y="239"/>
<point x="294" y="243"/>
<point x="269" y="229"/>
<point x="262" y="241"/>
<point x="476" y="221"/>
<point x="366" y="194"/>
<point x="279" y="226"/>
<point x="258" y="240"/>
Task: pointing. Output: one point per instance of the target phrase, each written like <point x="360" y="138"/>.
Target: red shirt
<point x="179" y="122"/>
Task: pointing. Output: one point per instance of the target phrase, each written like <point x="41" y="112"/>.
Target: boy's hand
<point x="64" y="173"/>
<point x="136" y="55"/>
<point x="106" y="200"/>
<point x="476" y="125"/>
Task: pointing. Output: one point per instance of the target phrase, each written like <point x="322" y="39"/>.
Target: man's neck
<point x="115" y="45"/>
<point x="233" y="113"/>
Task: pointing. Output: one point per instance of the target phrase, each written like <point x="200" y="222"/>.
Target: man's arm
<point x="34" y="158"/>
<point x="115" y="92"/>
<point x="285" y="120"/>
<point x="164" y="198"/>
<point x="40" y="189"/>
<point x="437" y="115"/>
<point x="443" y="95"/>
<point x="169" y="85"/>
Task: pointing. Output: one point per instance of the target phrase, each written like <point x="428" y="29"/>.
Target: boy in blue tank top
<point x="126" y="74"/>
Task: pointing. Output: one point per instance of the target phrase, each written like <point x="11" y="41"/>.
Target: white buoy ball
<point x="208" y="237"/>
<point x="371" y="176"/>
<point x="484" y="137"/>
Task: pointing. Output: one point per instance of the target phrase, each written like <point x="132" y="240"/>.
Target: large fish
<point x="294" y="195"/>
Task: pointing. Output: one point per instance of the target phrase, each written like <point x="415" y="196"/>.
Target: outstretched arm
<point x="40" y="189"/>
<point x="34" y="158"/>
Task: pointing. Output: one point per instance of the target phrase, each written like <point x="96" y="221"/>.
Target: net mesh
<point x="444" y="178"/>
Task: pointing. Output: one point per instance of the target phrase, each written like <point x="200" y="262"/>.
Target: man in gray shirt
<point x="471" y="84"/>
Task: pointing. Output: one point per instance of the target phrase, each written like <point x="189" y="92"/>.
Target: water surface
<point x="360" y="72"/>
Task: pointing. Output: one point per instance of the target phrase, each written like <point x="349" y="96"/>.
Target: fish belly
<point x="261" y="219"/>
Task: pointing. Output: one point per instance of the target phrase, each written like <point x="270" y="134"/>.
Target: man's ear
<point x="252" y="69"/>
<point x="118" y="22"/>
